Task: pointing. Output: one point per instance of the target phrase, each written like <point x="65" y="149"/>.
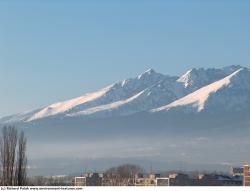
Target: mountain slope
<point x="232" y="90"/>
<point x="196" y="78"/>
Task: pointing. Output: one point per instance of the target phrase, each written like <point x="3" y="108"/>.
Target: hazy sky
<point x="51" y="50"/>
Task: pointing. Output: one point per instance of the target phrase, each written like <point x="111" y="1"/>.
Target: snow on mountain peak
<point x="188" y="78"/>
<point x="147" y="73"/>
<point x="147" y="91"/>
<point x="198" y="98"/>
<point x="196" y="78"/>
<point x="117" y="92"/>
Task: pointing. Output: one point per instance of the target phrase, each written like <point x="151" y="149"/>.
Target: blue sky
<point x="52" y="50"/>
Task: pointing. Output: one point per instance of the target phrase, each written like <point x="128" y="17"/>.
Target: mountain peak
<point x="231" y="68"/>
<point x="147" y="73"/>
<point x="197" y="77"/>
<point x="198" y="99"/>
<point x="189" y="77"/>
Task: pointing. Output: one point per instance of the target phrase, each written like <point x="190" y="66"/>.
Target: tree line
<point x="121" y="175"/>
<point x="13" y="158"/>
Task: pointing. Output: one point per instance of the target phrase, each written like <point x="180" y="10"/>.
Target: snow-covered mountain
<point x="196" y="90"/>
<point x="196" y="78"/>
<point x="229" y="93"/>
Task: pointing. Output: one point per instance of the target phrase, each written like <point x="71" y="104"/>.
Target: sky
<point x="54" y="50"/>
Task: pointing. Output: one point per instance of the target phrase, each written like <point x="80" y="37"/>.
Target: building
<point x="154" y="176"/>
<point x="89" y="179"/>
<point x="219" y="180"/>
<point x="179" y="179"/>
<point x="79" y="181"/>
<point x="236" y="171"/>
<point x="225" y="180"/>
<point x="246" y="175"/>
<point x="151" y="180"/>
<point x="93" y="179"/>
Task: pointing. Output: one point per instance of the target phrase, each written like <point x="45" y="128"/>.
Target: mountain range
<point x="201" y="117"/>
<point x="198" y="90"/>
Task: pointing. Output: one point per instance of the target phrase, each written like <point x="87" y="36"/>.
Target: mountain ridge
<point x="147" y="92"/>
<point x="198" y="98"/>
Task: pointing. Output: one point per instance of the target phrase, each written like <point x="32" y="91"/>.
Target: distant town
<point x="132" y="175"/>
